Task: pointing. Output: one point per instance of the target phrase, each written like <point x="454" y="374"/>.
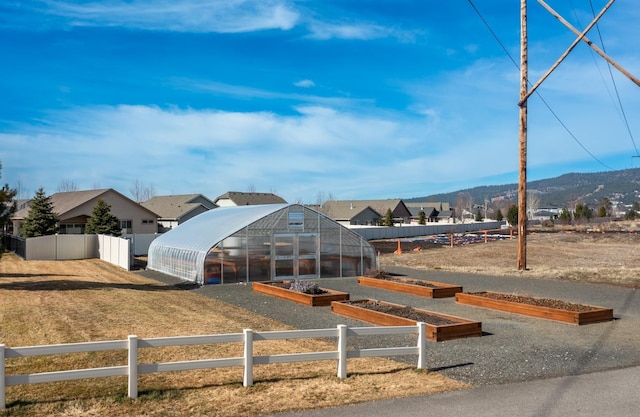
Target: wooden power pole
<point x="525" y="92"/>
<point x="522" y="183"/>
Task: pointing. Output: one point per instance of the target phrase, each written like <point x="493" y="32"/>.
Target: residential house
<point x="237" y="198"/>
<point x="443" y="211"/>
<point x="177" y="209"/>
<point x="430" y="214"/>
<point x="349" y="213"/>
<point x="75" y="207"/>
<point x="399" y="211"/>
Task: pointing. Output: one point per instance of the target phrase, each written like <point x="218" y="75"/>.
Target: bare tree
<point x="21" y="191"/>
<point x="463" y="204"/>
<point x="322" y="198"/>
<point x="141" y="192"/>
<point x="67" y="185"/>
<point x="251" y="188"/>
<point x="533" y="203"/>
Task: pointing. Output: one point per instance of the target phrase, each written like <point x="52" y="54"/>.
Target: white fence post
<point x="248" y="358"/>
<point x="133" y="366"/>
<point x="342" y="351"/>
<point x="2" y="386"/>
<point x="422" y="345"/>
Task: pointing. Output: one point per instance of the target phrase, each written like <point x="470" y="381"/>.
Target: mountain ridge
<point x="621" y="187"/>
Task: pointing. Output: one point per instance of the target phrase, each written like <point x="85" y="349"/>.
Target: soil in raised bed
<point x="287" y="285"/>
<point x="386" y="276"/>
<point x="541" y="302"/>
<point x="405" y="312"/>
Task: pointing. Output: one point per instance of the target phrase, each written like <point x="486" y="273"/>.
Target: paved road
<point x="603" y="394"/>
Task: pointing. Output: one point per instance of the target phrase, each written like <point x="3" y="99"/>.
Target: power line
<point x="537" y="93"/>
<point x="615" y="86"/>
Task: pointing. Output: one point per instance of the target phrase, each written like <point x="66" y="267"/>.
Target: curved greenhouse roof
<point x="260" y="242"/>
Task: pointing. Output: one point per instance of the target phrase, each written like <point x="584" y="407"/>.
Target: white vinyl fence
<point x="115" y="250"/>
<point x="248" y="360"/>
<point x="406" y="231"/>
<point x="61" y="247"/>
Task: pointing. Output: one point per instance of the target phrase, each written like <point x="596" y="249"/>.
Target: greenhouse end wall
<point x="260" y="243"/>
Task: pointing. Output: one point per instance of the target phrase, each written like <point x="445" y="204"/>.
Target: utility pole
<point x="522" y="183"/>
<point x="525" y="92"/>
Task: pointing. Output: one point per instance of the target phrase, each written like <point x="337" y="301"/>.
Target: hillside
<point x="622" y="187"/>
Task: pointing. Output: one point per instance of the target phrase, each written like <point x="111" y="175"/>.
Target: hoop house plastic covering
<point x="258" y="243"/>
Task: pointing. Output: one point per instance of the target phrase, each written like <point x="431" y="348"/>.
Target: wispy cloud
<point x="244" y="92"/>
<point x="304" y="83"/>
<point x="225" y="16"/>
<point x="324" y="30"/>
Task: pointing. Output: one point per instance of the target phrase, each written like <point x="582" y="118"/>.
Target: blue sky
<point x="353" y="99"/>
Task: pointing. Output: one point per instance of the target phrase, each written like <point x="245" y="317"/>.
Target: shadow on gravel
<point x="444" y="368"/>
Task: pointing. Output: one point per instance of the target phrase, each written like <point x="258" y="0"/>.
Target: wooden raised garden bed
<point x="537" y="307"/>
<point x="281" y="289"/>
<point x="439" y="326"/>
<point x="422" y="288"/>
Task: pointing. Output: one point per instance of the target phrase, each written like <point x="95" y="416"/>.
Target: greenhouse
<point x="260" y="243"/>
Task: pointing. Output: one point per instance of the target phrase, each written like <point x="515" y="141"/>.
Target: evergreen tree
<point x="388" y="218"/>
<point x="605" y="208"/>
<point x="422" y="217"/>
<point x="102" y="222"/>
<point x="583" y="212"/>
<point x="512" y="215"/>
<point x="7" y="207"/>
<point x="41" y="220"/>
<point x="602" y="211"/>
<point x="479" y="217"/>
<point x="499" y="216"/>
<point x="565" y="215"/>
<point x="633" y="211"/>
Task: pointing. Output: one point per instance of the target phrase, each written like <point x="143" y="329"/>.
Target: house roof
<point x="176" y="206"/>
<point x="66" y="201"/>
<point x="428" y="211"/>
<point x="344" y="210"/>
<point x="249" y="199"/>
<point x="439" y="205"/>
<point x="344" y="207"/>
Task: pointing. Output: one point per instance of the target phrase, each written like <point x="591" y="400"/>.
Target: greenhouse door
<point x="294" y="255"/>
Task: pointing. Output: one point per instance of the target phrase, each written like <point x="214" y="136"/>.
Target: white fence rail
<point x="248" y="360"/>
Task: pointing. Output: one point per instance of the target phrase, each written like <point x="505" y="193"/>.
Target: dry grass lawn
<point x="611" y="257"/>
<point x="44" y="302"/>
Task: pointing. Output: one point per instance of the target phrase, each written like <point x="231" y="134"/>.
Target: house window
<point x="147" y="221"/>
<point x="125" y="226"/>
<point x="71" y="229"/>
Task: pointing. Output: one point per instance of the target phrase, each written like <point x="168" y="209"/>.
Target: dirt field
<point x="611" y="257"/>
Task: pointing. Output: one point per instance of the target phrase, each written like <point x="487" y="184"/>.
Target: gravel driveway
<point x="513" y="347"/>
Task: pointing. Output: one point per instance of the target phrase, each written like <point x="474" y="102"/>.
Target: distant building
<point x="75" y="207"/>
<point x="237" y="198"/>
<point x="349" y="213"/>
<point x="177" y="209"/>
<point x="354" y="211"/>
<point x="443" y="212"/>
